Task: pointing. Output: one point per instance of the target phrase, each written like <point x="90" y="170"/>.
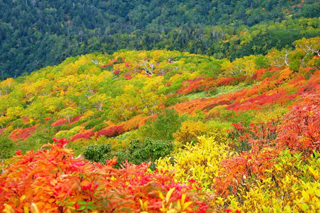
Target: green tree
<point x="168" y="122"/>
<point x="7" y="148"/>
<point x="68" y="113"/>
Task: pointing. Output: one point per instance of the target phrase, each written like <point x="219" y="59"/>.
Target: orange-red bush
<point x="52" y="180"/>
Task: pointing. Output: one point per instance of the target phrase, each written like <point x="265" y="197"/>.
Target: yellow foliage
<point x="200" y="162"/>
<point x="62" y="134"/>
<point x="215" y="112"/>
<point x="15" y="112"/>
<point x="286" y="74"/>
<point x="87" y="115"/>
<point x="104" y="75"/>
<point x="189" y="131"/>
<point x="267" y="114"/>
<point x="291" y="186"/>
<point x="75" y="130"/>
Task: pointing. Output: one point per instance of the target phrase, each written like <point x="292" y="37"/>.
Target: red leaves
<point x="59" y="122"/>
<point x="27" y="160"/>
<point x="55" y="180"/>
<point x="64" y="121"/>
<point x="300" y="128"/>
<point x="128" y="77"/>
<point x="116" y="72"/>
<point x="86" y="134"/>
<point x="225" y="81"/>
<point x="60" y="142"/>
<point x="22" y="133"/>
<point x="111" y="131"/>
<point x="190" y="86"/>
<point x="87" y="187"/>
<point x="259" y="141"/>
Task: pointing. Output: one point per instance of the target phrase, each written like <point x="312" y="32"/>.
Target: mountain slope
<point x="220" y="135"/>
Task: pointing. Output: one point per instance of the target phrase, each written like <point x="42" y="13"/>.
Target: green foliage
<point x="91" y="124"/>
<point x="99" y="127"/>
<point x="137" y="152"/>
<point x="97" y="153"/>
<point x="294" y="65"/>
<point x="267" y="74"/>
<point x="150" y="150"/>
<point x="163" y="127"/>
<point x="211" y="91"/>
<point x="236" y="117"/>
<point x="172" y="101"/>
<point x="17" y="124"/>
<point x="26" y="146"/>
<point x="64" y="127"/>
<point x="261" y="62"/>
<point x="7" y="147"/>
<point x="143" y="151"/>
<point x="43" y="36"/>
<point x="79" y="146"/>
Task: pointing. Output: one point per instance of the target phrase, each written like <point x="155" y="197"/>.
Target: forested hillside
<point x="164" y="131"/>
<point x="35" y="34"/>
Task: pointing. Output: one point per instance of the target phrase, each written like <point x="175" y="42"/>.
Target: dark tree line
<point x="38" y="33"/>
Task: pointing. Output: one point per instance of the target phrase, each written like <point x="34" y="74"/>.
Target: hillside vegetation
<point x="35" y="34"/>
<point x="164" y="131"/>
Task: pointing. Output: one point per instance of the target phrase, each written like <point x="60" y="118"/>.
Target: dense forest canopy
<point x="35" y="34"/>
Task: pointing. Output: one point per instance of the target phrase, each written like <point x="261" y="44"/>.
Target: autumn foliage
<point x="52" y="180"/>
<point x="22" y="133"/>
<point x="228" y="135"/>
<point x="300" y="128"/>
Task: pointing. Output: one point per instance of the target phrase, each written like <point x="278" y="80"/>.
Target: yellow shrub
<point x="189" y="131"/>
<point x="200" y="162"/>
<point x="75" y="130"/>
<point x="69" y="133"/>
<point x="215" y="112"/>
<point x="291" y="186"/>
<point x="217" y="133"/>
<point x="268" y="114"/>
<point x="62" y="134"/>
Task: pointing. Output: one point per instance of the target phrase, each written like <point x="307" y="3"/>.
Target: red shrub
<point x="86" y="134"/>
<point x="53" y="180"/>
<point x="116" y="72"/>
<point x="300" y="128"/>
<point x="111" y="131"/>
<point x="22" y="133"/>
<point x="76" y="119"/>
<point x="128" y="77"/>
<point x="256" y="147"/>
<point x="225" y="81"/>
<point x="59" y="122"/>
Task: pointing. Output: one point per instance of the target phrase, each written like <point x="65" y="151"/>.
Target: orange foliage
<point x="111" y="131"/>
<point x="238" y="171"/>
<point x="300" y="128"/>
<point x="191" y="107"/>
<point x="59" y="122"/>
<point x="63" y="121"/>
<point x="52" y="180"/>
<point x="22" y="133"/>
<point x="137" y="121"/>
<point x="25" y="120"/>
<point x="76" y="119"/>
<point x="87" y="134"/>
<point x="259" y="73"/>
